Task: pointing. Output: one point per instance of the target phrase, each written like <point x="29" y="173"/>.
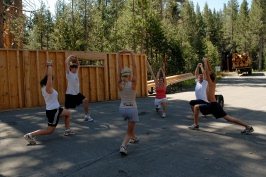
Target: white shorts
<point x="158" y="102"/>
<point x="130" y="114"/>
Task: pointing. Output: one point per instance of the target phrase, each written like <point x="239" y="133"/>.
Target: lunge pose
<point x="127" y="84"/>
<point x="213" y="107"/>
<point x="160" y="88"/>
<point x="53" y="109"/>
<point x="73" y="97"/>
<point x="200" y="89"/>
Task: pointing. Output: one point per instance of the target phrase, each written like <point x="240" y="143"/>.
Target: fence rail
<point x="22" y="70"/>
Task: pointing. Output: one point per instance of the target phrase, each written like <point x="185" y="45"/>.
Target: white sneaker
<point x="123" y="150"/>
<point x="163" y="115"/>
<point x="133" y="140"/>
<point x="69" y="132"/>
<point x="88" y="118"/>
<point x="29" y="138"/>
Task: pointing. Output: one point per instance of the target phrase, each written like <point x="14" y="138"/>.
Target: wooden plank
<point x="84" y="82"/>
<point x="4" y="98"/>
<point x="33" y="79"/>
<point x="19" y="80"/>
<point x="21" y="75"/>
<point x="143" y="77"/>
<point x="27" y="77"/>
<point x="112" y="76"/>
<point x="38" y="65"/>
<point x="60" y="75"/>
<point x="93" y="91"/>
<point x="87" y="55"/>
<point x="105" y="80"/>
<point x="41" y="55"/>
<point x="138" y="65"/>
<point x="172" y="79"/>
<point x="13" y="78"/>
<point x="101" y="84"/>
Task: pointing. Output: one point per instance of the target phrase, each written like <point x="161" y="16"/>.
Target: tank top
<point x="128" y="96"/>
<point x="73" y="83"/>
<point x="160" y="92"/>
<point x="200" y="90"/>
<point x="51" y="100"/>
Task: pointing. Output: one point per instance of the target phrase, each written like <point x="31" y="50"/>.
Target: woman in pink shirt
<point x="160" y="88"/>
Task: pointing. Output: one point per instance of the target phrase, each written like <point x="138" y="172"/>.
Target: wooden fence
<point x="22" y="70"/>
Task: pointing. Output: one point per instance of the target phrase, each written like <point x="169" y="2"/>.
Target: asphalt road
<point x="167" y="148"/>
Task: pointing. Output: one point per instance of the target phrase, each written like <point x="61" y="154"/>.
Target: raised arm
<point x="197" y="71"/>
<point x="207" y="69"/>
<point x="49" y="83"/>
<point x="164" y="77"/>
<point x="202" y="70"/>
<point x="67" y="63"/>
<point x="77" y="62"/>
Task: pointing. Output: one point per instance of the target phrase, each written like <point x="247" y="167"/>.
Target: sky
<point x="217" y="4"/>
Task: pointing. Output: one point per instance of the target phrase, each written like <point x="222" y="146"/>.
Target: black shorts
<point x="72" y="101"/>
<point x="53" y="116"/>
<point x="195" y="102"/>
<point x="213" y="108"/>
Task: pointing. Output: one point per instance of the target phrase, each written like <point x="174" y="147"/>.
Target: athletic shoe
<point x="157" y="108"/>
<point x="133" y="140"/>
<point x="88" y="118"/>
<point x="191" y="117"/>
<point x="123" y="150"/>
<point x="194" y="127"/>
<point x="69" y="132"/>
<point x="247" y="131"/>
<point x="163" y="115"/>
<point x="29" y="138"/>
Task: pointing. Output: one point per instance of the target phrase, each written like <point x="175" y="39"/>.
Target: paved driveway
<point x="167" y="148"/>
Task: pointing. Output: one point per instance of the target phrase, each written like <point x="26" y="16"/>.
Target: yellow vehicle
<point x="242" y="63"/>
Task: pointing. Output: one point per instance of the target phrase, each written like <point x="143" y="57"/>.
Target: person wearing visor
<point x="127" y="85"/>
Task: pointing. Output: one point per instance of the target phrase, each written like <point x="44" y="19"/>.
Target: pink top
<point x="160" y="92"/>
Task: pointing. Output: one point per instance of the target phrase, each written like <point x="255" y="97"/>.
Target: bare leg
<point x="85" y="102"/>
<point x="164" y="105"/>
<point x="196" y="114"/>
<point x="67" y="115"/>
<point x="49" y="130"/>
<point x="236" y="121"/>
<point x="130" y="133"/>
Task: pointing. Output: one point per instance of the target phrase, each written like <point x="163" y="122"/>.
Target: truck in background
<point x="242" y="63"/>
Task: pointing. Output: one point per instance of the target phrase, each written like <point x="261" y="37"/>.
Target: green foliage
<point x="171" y="30"/>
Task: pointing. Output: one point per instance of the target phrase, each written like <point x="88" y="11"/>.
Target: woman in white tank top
<point x="53" y="109"/>
<point x="127" y="84"/>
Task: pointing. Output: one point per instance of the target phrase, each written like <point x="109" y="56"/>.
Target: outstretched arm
<point x="67" y="63"/>
<point x="207" y="69"/>
<point x="164" y="77"/>
<point x="49" y="84"/>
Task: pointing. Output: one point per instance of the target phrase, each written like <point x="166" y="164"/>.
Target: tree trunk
<point x="19" y="42"/>
<point x="260" y="53"/>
